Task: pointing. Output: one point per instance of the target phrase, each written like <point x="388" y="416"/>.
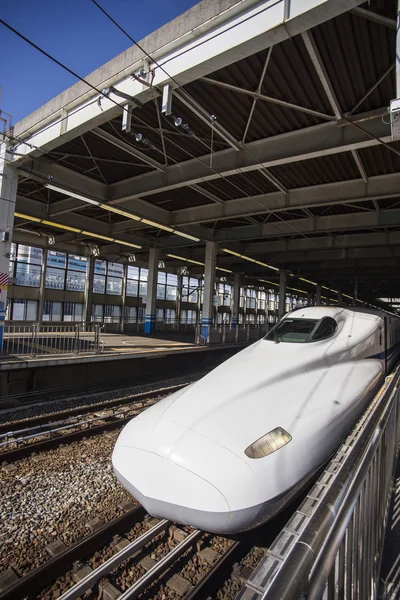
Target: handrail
<point x="347" y="509"/>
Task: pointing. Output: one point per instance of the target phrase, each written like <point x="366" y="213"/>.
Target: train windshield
<point x="292" y="330"/>
<point x="302" y="330"/>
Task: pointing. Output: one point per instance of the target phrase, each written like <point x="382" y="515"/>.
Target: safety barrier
<point x="37" y="339"/>
<point x="332" y="546"/>
<point x="224" y="334"/>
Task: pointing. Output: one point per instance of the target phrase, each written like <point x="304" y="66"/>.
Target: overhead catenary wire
<point x="103" y="94"/>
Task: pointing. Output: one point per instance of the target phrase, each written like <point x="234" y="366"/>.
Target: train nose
<point x="168" y="490"/>
<point x="178" y="474"/>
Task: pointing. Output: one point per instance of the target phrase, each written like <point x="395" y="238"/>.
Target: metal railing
<point x="37" y="339"/>
<point x="331" y="547"/>
<point x="225" y="334"/>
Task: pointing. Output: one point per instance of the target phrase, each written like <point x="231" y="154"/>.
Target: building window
<point x="106" y="313"/>
<point x="115" y="273"/>
<point x="76" y="273"/>
<point x="261" y="300"/>
<point x="28" y="265"/>
<point x="99" y="276"/>
<point x="190" y="289"/>
<point x="23" y="310"/>
<point x="225" y="294"/>
<point x="189" y="317"/>
<point x="167" y="286"/>
<point x="112" y="314"/>
<point x="73" y="311"/>
<point x="136" y="282"/>
<point x="166" y="315"/>
<point x="51" y="311"/>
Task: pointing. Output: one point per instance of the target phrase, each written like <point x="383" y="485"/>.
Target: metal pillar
<point x="235" y="300"/>
<point x="310" y="301"/>
<point x="339" y="298"/>
<point x="42" y="285"/>
<point x="150" y="318"/>
<point x="8" y="195"/>
<point x="209" y="277"/>
<point x="282" y="293"/>
<point x="178" y="302"/>
<point x="318" y="290"/>
<point x="89" y="291"/>
<point x="355" y="293"/>
<point x="123" y="298"/>
<point x="398" y="51"/>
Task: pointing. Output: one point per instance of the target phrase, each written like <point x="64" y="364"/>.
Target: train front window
<point x="292" y="330"/>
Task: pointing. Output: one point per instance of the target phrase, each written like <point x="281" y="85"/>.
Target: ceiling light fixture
<point x="118" y="211"/>
<point x="249" y="259"/>
<point x="75" y="230"/>
<point x="126" y="243"/>
<point x="186" y="235"/>
<point x="61" y="190"/>
<point x="157" y="225"/>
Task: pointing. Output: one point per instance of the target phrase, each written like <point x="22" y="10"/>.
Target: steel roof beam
<point x="311" y="142"/>
<point x="374" y="17"/>
<point x="343" y="192"/>
<point x="199" y="45"/>
<point x="319" y="66"/>
<point x="328" y="242"/>
<point x="258" y="96"/>
<point x="364" y="220"/>
<point x="128" y="148"/>
<point x="202" y="114"/>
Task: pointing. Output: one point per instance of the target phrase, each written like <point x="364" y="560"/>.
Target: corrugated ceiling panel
<point x="379" y="160"/>
<point x="325" y="169"/>
<point x="356" y="52"/>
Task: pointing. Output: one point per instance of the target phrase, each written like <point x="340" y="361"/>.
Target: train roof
<point x="318" y="312"/>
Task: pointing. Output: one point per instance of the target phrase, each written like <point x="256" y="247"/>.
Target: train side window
<point x="326" y="329"/>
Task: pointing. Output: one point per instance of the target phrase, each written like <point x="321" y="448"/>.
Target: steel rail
<point x="52" y="443"/>
<point x="4" y="427"/>
<point x="35" y="581"/>
<point x="143" y="582"/>
<point x="92" y="578"/>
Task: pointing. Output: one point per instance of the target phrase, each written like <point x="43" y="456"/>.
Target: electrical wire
<point x="103" y="94"/>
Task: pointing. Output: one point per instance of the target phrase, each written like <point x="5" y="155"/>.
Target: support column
<point x="235" y="300"/>
<point x="339" y="298"/>
<point x="282" y="293"/>
<point x="398" y="51"/>
<point x="209" y="278"/>
<point x="42" y="285"/>
<point x="123" y="298"/>
<point x="178" y="302"/>
<point x="355" y="292"/>
<point x="318" y="291"/>
<point x="8" y="195"/>
<point x="150" y="319"/>
<point x="89" y="291"/>
<point x="310" y="299"/>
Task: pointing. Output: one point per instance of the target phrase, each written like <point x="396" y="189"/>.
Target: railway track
<point x="43" y="433"/>
<point x="153" y="557"/>
<point x="161" y="558"/>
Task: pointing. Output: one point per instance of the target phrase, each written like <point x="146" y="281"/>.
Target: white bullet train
<point x="229" y="451"/>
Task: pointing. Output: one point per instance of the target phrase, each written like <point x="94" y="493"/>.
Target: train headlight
<point x="268" y="443"/>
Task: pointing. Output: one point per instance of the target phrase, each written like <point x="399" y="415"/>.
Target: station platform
<point x="125" y="359"/>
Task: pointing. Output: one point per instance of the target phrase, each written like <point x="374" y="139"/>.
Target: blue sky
<point x="76" y="33"/>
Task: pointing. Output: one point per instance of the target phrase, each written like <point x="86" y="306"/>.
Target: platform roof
<point x="297" y="170"/>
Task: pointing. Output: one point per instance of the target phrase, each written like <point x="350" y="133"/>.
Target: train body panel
<point x="187" y="458"/>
